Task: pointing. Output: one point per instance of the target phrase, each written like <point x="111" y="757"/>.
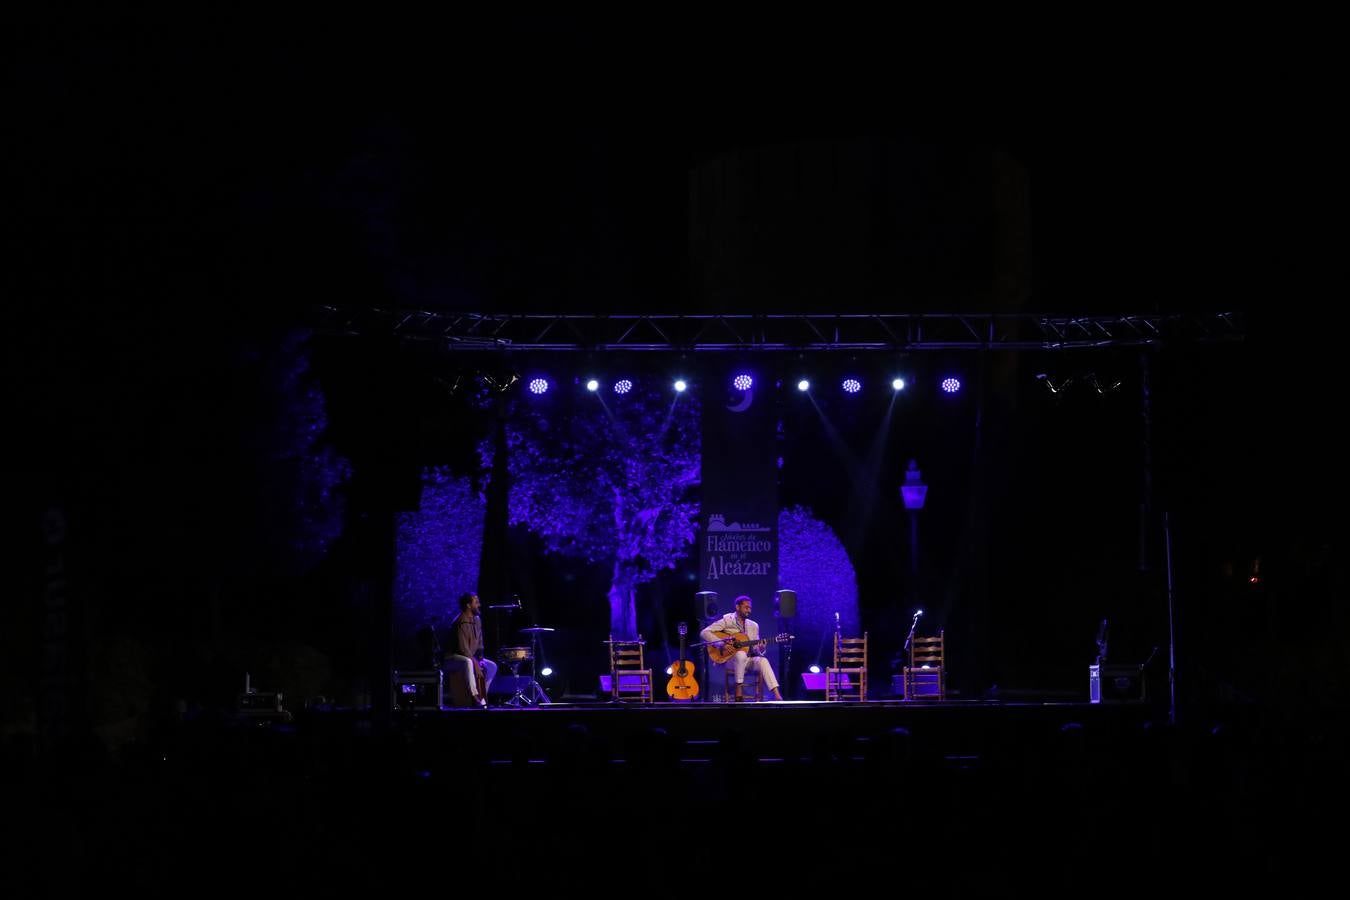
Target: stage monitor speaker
<point x="705" y="604"/>
<point x="786" y="601"/>
<point x="815" y="681"/>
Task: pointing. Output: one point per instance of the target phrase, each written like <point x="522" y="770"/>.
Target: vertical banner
<point x="738" y="522"/>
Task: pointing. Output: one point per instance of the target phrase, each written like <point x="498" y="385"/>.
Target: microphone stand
<point x="905" y="664"/>
<point x="834" y="661"/>
<point x="706" y="694"/>
<point x="912" y="626"/>
<point x="437" y="654"/>
<point x="707" y="686"/>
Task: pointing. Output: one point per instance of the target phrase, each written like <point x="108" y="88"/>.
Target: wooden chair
<point x="850" y="659"/>
<point x="753" y="688"/>
<point x="629" y="677"/>
<point x="925" y="676"/>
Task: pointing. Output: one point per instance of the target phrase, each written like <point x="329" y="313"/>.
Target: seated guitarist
<point x="468" y="648"/>
<point x="739" y="622"/>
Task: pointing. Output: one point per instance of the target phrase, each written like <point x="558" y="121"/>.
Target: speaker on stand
<point x="705" y="611"/>
<point x="785" y="610"/>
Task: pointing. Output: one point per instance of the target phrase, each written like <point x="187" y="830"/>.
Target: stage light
<point x="670" y="670"/>
<point x="680" y="386"/>
<point x="803" y="385"/>
<point x="898" y="384"/>
<point x="743" y="382"/>
<point x="951" y="385"/>
<point x="623" y="386"/>
<point x="592" y="385"/>
<point x="538" y="385"/>
<point x="546" y="671"/>
<point x="1099" y="386"/>
<point x="852" y="385"/>
<point x="815" y="670"/>
<point x="1044" y="378"/>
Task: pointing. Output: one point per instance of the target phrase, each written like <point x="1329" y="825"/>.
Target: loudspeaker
<point x="503" y="688"/>
<point x="786" y="601"/>
<point x="418" y="689"/>
<point x="705" y="605"/>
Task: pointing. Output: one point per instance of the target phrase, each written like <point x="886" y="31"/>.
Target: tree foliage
<point x="611" y="479"/>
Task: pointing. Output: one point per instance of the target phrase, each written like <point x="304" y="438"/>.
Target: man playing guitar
<point x="748" y="646"/>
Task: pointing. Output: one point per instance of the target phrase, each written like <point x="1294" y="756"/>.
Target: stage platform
<point x="768" y="730"/>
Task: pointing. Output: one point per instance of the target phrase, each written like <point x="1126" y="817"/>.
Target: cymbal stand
<point x="518" y="698"/>
<point x="536" y="688"/>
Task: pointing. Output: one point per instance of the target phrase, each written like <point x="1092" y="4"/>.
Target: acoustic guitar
<point x="727" y="643"/>
<point x="682" y="684"/>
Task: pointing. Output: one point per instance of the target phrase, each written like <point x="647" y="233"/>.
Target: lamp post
<point x="913" y="492"/>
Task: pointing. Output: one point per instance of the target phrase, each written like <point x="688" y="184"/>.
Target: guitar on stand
<point x="682" y="684"/>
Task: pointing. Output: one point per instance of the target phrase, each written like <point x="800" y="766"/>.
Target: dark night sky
<point x="448" y="153"/>
<point x="178" y="188"/>
<point x="567" y="136"/>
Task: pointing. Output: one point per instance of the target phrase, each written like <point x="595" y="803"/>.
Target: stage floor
<point x="767" y="730"/>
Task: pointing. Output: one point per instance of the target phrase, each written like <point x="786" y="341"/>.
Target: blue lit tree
<point x="613" y="484"/>
<point x="813" y="562"/>
<point x="438" y="550"/>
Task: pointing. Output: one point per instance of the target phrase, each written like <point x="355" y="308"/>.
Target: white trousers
<point x="742" y="661"/>
<point x="465" y="665"/>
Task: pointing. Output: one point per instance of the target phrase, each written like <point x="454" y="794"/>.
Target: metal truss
<point x="854" y="332"/>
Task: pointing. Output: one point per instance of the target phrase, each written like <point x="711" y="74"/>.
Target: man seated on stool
<point x="739" y="622"/>
<point x="469" y="647"/>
